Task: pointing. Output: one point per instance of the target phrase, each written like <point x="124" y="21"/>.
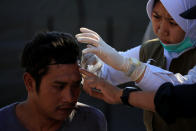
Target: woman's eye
<point x="172" y="23"/>
<point x="156" y="16"/>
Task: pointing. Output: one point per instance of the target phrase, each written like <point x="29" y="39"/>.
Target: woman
<point x="170" y="51"/>
<point x="174" y="51"/>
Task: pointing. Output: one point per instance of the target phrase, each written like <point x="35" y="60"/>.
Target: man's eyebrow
<point x="64" y="83"/>
<point x="78" y="81"/>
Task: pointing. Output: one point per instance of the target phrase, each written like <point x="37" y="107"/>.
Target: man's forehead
<point x="63" y="66"/>
<point x="67" y="79"/>
<point x="64" y="70"/>
<point x="54" y="62"/>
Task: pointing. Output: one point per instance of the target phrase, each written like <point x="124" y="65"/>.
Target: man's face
<point x="59" y="91"/>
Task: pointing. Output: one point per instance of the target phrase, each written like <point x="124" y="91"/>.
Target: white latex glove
<point x="92" y="63"/>
<point x="132" y="67"/>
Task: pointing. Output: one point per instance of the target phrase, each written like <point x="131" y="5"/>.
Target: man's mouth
<point x="66" y="107"/>
<point x="66" y="110"/>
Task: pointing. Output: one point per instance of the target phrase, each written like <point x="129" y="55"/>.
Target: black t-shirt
<point x="172" y="101"/>
<point x="84" y="118"/>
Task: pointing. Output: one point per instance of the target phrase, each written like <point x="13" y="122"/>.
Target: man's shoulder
<point x="85" y="107"/>
<point x="87" y="117"/>
<point x="7" y="110"/>
<point x="88" y="110"/>
<point x="8" y="117"/>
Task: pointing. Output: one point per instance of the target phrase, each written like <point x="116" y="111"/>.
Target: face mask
<point x="179" y="47"/>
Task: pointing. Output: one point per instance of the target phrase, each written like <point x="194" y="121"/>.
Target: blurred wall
<point x="120" y="23"/>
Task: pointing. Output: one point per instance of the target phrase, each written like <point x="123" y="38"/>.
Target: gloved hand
<point x="91" y="63"/>
<point x="132" y="67"/>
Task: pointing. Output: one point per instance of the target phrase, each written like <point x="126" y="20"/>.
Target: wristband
<point x="125" y="95"/>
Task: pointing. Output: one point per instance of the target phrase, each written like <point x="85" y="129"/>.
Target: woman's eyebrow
<point x="155" y="12"/>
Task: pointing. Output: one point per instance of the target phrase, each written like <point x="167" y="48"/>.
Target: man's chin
<point x="64" y="114"/>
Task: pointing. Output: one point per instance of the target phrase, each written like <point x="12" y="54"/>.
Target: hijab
<point x="175" y="8"/>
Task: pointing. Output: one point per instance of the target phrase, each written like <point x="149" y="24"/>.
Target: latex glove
<point x="132" y="67"/>
<point x="92" y="63"/>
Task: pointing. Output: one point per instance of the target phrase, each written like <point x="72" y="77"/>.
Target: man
<point x="53" y="83"/>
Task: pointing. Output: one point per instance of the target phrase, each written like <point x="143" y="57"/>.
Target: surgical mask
<point x="179" y="47"/>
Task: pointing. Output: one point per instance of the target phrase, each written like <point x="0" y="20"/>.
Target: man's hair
<point x="48" y="49"/>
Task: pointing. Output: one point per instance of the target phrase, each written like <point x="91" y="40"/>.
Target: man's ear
<point x="29" y="82"/>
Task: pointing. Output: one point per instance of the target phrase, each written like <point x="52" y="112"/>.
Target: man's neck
<point x="33" y="120"/>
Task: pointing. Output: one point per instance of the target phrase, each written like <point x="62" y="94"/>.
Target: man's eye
<point x="77" y="85"/>
<point x="59" y="87"/>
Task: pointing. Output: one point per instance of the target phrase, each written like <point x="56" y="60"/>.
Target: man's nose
<point x="68" y="95"/>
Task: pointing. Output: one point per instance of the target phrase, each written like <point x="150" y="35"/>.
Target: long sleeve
<point x="117" y="77"/>
<point x="154" y="77"/>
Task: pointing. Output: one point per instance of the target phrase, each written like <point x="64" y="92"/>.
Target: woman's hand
<point x="132" y="67"/>
<point x="97" y="46"/>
